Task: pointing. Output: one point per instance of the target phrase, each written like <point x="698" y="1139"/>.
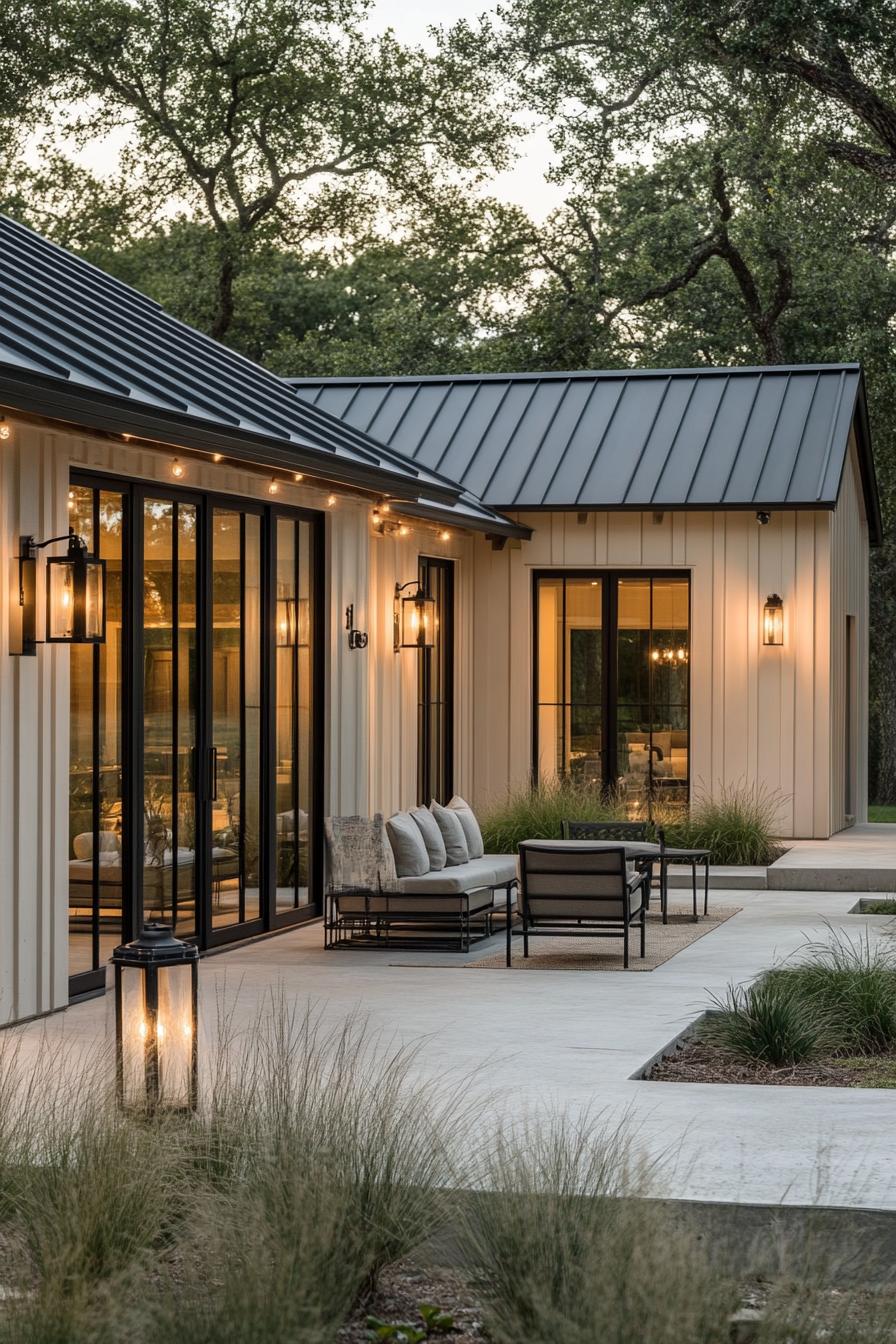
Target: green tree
<point x="271" y="121"/>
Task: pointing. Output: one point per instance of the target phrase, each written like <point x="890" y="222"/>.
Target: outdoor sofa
<point x="421" y="878"/>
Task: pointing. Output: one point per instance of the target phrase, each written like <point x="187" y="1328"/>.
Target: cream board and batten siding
<point x="393" y="686"/>
<point x="757" y="714"/>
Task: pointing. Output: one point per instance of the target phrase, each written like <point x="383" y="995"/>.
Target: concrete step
<point x="726" y="877"/>
<point x="831" y="878"/>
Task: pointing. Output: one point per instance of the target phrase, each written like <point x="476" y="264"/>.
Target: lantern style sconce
<point x="415" y="618"/>
<point x="156" y="1022"/>
<point x="773" y="620"/>
<point x="287" y="622"/>
<point x="76" y="596"/>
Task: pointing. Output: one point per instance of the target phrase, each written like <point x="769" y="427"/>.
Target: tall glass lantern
<point x="156" y="1020"/>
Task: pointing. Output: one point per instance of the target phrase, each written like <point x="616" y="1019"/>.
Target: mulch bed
<point x="696" y="1062"/>
<point x="401" y="1289"/>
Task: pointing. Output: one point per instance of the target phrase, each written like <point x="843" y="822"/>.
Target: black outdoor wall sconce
<point x="357" y="639"/>
<point x="414" y="617"/>
<point x="76" y="596"/>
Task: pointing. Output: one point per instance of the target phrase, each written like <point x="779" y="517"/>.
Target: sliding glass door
<point x="195" y="793"/>
<point x="612" y="690"/>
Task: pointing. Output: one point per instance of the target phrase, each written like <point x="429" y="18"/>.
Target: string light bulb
<point x="5" y="430"/>
<point x="126" y="437"/>
<point x="298" y="477"/>
<point x="445" y="536"/>
<point x="385" y="508"/>
<point x="177" y="468"/>
<point x="274" y="486"/>
<point x="404" y="530"/>
<point x="217" y="457"/>
<point x="331" y="500"/>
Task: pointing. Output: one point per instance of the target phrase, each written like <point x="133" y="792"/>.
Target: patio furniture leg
<point x="525" y="937"/>
<point x="625" y="946"/>
<point x="507" y="908"/>
<point x="643" y="930"/>
<point x="706" y="886"/>
<point x="664" y="890"/>
<point x="694" y="886"/>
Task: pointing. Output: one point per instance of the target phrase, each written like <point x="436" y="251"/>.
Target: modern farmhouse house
<point x="655" y="581"/>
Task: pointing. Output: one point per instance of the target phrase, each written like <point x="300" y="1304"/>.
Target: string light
<point x="177" y="468"/>
<point x="404" y="530"/>
<point x="377" y="519"/>
<point x="331" y="500"/>
<point x="5" y="430"/>
<point x="444" y="536"/>
<point x="385" y="508"/>
<point x="274" y="486"/>
<point x="217" y="457"/>
<point x="298" y="477"/>
<point x="127" y="437"/>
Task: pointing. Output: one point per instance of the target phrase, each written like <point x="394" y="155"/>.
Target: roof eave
<point x="491" y="526"/>
<point x="37" y="394"/>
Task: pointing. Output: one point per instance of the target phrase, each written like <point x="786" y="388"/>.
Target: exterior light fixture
<point x="273" y="486"/>
<point x="5" y="429"/>
<point x="177" y="468"/>
<point x="763" y="518"/>
<point x="76" y="596"/>
<point x="444" y="536"/>
<point x="287" y="622"/>
<point x="414" y="617"/>
<point x="404" y="530"/>
<point x="156" y="1022"/>
<point x="773" y="620"/>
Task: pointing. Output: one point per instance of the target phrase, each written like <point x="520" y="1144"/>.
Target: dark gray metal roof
<point x="77" y="344"/>
<point x="753" y="438"/>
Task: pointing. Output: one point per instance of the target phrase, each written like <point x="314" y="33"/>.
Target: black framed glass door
<point x="196" y="780"/>
<point x="435" y="687"/>
<point x="612" y="686"/>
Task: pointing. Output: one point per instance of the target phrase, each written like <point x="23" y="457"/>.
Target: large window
<point x="195" y="792"/>
<point x="435" y="688"/>
<point x="612" y="683"/>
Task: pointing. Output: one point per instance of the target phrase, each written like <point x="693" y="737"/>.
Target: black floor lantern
<point x="156" y="1022"/>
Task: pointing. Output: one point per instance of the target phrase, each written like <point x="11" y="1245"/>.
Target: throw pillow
<point x="411" y="858"/>
<point x="432" y="837"/>
<point x="467" y="818"/>
<point x="452" y="833"/>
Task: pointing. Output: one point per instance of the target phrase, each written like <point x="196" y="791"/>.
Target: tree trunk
<point x="223" y="318"/>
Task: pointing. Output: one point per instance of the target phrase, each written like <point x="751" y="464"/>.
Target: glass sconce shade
<point x="76" y="596"/>
<point x="773" y="620"/>
<point x="415" y="618"/>
<point x="156" y="1021"/>
<point x="293" y="622"/>
<point x="287" y="622"/>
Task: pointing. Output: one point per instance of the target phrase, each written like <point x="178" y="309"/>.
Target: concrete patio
<point x="862" y="858"/>
<point x="541" y="1040"/>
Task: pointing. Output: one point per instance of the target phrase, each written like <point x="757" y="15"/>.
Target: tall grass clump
<point x="537" y="811"/>
<point x="851" y="981"/>
<point x="737" y="824"/>
<point x="317" y="1159"/>
<point x="570" y="1251"/>
<point x="769" y="1022"/>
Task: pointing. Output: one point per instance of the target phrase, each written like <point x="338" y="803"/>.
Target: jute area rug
<point x="605" y="954"/>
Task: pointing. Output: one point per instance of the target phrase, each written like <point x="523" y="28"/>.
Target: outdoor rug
<point x="605" y="954"/>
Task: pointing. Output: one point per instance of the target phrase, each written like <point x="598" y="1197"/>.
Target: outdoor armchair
<point x="578" y="889"/>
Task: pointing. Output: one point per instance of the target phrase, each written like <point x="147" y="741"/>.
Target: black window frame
<point x="609" y="578"/>
<point x="428" y="787"/>
<point x="134" y="491"/>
